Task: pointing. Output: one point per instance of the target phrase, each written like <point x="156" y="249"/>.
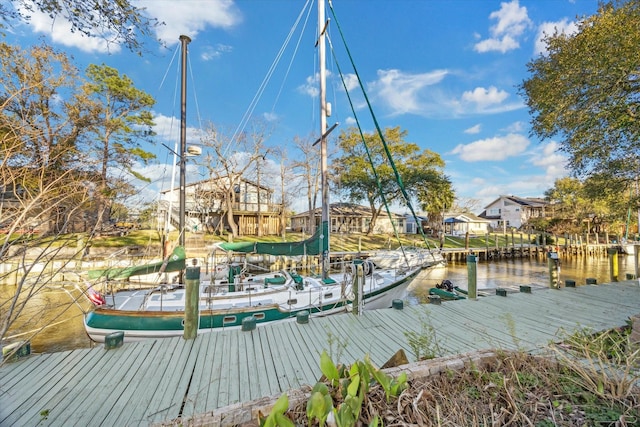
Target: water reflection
<point x="61" y="318"/>
<point x="514" y="272"/>
<point x="51" y="319"/>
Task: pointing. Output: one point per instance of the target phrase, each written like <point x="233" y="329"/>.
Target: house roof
<point x="205" y="181"/>
<point x="344" y="209"/>
<point x="465" y="217"/>
<point x="524" y="201"/>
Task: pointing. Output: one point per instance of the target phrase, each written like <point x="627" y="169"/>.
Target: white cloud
<point x="501" y="45"/>
<point x="485" y="97"/>
<point x="270" y="117"/>
<point x="180" y="17"/>
<point x="168" y="129"/>
<point x="403" y="92"/>
<point x="492" y="149"/>
<point x="516" y="127"/>
<point x="190" y="16"/>
<point x="473" y="129"/>
<point x="551" y="160"/>
<point x="351" y="82"/>
<point x="549" y="29"/>
<point x="212" y="52"/>
<point x="60" y="32"/>
<point x="512" y="21"/>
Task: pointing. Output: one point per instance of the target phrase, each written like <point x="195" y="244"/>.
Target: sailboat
<point x="232" y="298"/>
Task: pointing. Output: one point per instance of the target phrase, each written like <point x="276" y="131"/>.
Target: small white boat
<point x="410" y="257"/>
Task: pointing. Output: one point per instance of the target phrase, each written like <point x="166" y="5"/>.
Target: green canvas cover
<point x="174" y="262"/>
<point x="314" y="245"/>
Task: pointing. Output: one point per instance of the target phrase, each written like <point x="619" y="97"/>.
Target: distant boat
<point x="409" y="257"/>
<point x="230" y="297"/>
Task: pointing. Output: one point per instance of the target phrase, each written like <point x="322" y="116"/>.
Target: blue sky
<point x="446" y="71"/>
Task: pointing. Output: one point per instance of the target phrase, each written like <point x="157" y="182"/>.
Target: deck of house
<point x="155" y="381"/>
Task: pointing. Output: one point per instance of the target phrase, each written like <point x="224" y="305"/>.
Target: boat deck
<point x="152" y="381"/>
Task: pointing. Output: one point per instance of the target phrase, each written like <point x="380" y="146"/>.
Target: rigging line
<point x="295" y="51"/>
<point x="366" y="148"/>
<point x="195" y="95"/>
<point x="254" y="102"/>
<point x="377" y="125"/>
<point x="169" y="66"/>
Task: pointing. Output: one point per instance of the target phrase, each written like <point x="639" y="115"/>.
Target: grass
<point x="339" y="241"/>
<point x="578" y="384"/>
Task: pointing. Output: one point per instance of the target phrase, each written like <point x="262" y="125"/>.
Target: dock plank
<point x="199" y="389"/>
<point x="146" y="383"/>
<point x="55" y="397"/>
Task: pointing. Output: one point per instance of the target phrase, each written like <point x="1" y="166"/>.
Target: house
<point x="205" y="207"/>
<point x="349" y="218"/>
<point x="461" y="224"/>
<point x="513" y="212"/>
<point x="412" y="227"/>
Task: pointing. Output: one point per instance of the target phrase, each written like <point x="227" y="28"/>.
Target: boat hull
<point x="139" y="324"/>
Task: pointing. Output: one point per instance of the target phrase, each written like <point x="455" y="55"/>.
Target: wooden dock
<point x="156" y="381"/>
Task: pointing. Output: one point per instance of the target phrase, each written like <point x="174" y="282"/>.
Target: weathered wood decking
<point x="158" y="380"/>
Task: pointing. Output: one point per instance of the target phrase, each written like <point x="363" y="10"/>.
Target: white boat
<point x="410" y="257"/>
<point x="239" y="298"/>
<point x="232" y="302"/>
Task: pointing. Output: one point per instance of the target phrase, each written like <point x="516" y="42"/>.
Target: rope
<point x="407" y="199"/>
<point x="366" y="148"/>
<point x="254" y="102"/>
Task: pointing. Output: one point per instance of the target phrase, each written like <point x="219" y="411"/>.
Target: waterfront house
<point x="461" y="224"/>
<point x="349" y="218"/>
<point x="206" y="207"/>
<point x="507" y="212"/>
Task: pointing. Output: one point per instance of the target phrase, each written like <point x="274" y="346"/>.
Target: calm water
<point x="62" y="318"/>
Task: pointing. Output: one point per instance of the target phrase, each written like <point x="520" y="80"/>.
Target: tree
<point x="583" y="206"/>
<point x="44" y="189"/>
<point x="120" y="118"/>
<point x="114" y="21"/>
<point x="309" y="167"/>
<point x="435" y="198"/>
<point x="355" y="173"/>
<point x="586" y="91"/>
<point x="225" y="171"/>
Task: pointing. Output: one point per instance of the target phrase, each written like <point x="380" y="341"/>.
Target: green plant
<point x="277" y="417"/>
<point x="604" y="362"/>
<point x="424" y="344"/>
<point x="336" y="346"/>
<point x="320" y="404"/>
<point x="350" y="387"/>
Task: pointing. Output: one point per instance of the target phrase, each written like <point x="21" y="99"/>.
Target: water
<point x="510" y="273"/>
<point x="55" y="310"/>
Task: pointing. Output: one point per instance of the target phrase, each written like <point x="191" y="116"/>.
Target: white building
<point x="513" y="212"/>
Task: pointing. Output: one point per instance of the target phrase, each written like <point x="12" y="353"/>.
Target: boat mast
<point x="184" y="40"/>
<point x="324" y="257"/>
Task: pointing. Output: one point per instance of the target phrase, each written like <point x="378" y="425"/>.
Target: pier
<point x="161" y="381"/>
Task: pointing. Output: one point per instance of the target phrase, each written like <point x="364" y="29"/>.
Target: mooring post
<point x="192" y="296"/>
<point x="613" y="264"/>
<point x="554" y="269"/>
<point x="472" y="282"/>
<point x="358" y="288"/>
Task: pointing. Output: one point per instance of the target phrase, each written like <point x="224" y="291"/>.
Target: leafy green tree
<point x="116" y="22"/>
<point x="355" y="173"/>
<point x="585" y="90"/>
<point x="121" y="120"/>
<point x="584" y="206"/>
<point x="43" y="122"/>
<point x="44" y="190"/>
